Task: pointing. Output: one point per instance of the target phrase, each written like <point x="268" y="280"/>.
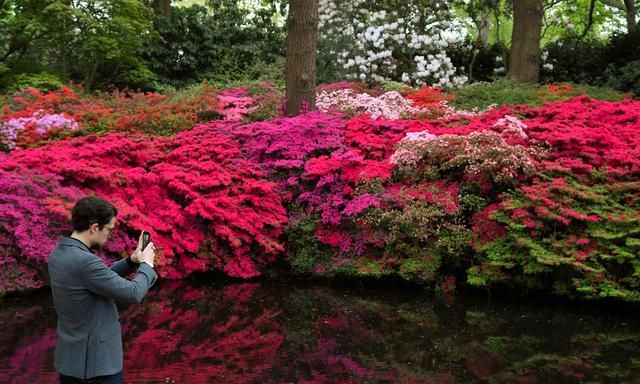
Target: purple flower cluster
<point x="360" y="203"/>
<point x="283" y="145"/>
<point x="41" y="122"/>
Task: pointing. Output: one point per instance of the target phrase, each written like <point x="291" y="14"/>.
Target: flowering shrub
<point x="360" y="40"/>
<point x="429" y="97"/>
<point x="283" y="145"/>
<point x="589" y="136"/>
<point x="390" y="105"/>
<point x="542" y="196"/>
<point x="182" y="189"/>
<point x="30" y="223"/>
<point x="477" y="156"/>
<point x="246" y="104"/>
<point x="574" y="228"/>
<point x="33" y="128"/>
<point x="569" y="237"/>
<point x="66" y="109"/>
<point x="550" y="91"/>
<point x="355" y="86"/>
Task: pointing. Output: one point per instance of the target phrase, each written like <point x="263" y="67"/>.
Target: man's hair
<point x="92" y="209"/>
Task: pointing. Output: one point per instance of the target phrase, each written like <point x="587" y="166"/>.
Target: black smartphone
<point x="146" y="239"/>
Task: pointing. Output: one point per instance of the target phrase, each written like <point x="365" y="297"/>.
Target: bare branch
<point x="550" y="4"/>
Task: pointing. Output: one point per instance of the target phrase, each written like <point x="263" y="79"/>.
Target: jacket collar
<point x="71" y="242"/>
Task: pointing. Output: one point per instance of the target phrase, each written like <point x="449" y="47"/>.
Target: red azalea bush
<point x="205" y="207"/>
<point x="429" y="96"/>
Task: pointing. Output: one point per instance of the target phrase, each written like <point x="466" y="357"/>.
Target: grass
<point x="480" y="95"/>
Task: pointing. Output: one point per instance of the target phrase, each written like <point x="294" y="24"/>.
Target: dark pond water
<point x="277" y="333"/>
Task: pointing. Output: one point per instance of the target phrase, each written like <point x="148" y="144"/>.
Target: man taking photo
<point x="85" y="292"/>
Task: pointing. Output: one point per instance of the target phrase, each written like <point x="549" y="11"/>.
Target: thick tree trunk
<point x="300" y="71"/>
<point x="630" y="9"/>
<point x="163" y="7"/>
<point x="524" y="61"/>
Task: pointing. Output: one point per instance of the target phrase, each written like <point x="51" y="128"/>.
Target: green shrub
<point x="306" y="254"/>
<point x="479" y="62"/>
<point x="623" y="48"/>
<point x="481" y="94"/>
<point x="390" y="85"/>
<point x="611" y="63"/>
<point x="43" y="81"/>
<point x="575" y="60"/>
<point x="627" y="78"/>
<point x="586" y="246"/>
<point x="222" y="41"/>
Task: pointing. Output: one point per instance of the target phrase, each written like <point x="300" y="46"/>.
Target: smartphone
<point x="146" y="239"/>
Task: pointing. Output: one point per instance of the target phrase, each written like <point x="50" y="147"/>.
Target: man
<point x="89" y="343"/>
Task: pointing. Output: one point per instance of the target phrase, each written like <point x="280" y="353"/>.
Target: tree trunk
<point x="630" y="9"/>
<point x="163" y="7"/>
<point x="300" y="68"/>
<point x="524" y="61"/>
<point x="483" y="32"/>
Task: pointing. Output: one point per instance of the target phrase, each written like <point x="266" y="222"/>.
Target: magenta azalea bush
<point x="534" y="197"/>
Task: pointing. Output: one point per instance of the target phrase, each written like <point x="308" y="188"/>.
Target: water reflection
<point x="264" y="333"/>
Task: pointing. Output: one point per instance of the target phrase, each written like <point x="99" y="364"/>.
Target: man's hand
<point x="147" y="255"/>
<point x="136" y="256"/>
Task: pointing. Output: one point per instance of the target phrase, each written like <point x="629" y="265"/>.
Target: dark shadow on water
<point x="298" y="331"/>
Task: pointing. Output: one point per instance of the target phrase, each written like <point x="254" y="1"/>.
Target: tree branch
<point x="615" y="4"/>
<point x="592" y="6"/>
<point x="550" y="4"/>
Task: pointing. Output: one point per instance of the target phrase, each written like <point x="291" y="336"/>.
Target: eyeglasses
<point x="110" y="230"/>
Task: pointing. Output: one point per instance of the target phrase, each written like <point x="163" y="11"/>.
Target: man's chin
<point x="96" y="246"/>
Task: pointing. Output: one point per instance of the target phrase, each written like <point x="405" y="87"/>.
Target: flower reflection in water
<point x="266" y="333"/>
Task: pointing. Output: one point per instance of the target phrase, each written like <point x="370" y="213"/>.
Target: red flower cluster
<point x="429" y="97"/>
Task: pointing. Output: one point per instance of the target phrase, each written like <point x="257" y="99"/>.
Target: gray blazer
<point x="84" y="291"/>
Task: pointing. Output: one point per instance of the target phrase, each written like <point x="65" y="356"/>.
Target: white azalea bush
<point x="389" y="106"/>
<point x="361" y="40"/>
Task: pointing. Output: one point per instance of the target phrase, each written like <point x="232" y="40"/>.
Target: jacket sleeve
<point x="122" y="268"/>
<point x="100" y="279"/>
